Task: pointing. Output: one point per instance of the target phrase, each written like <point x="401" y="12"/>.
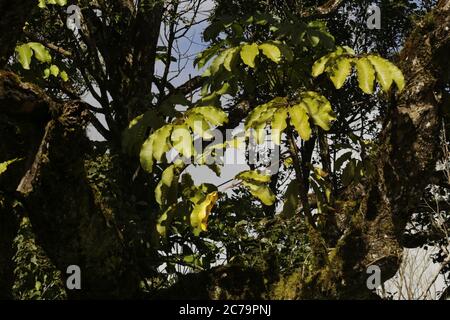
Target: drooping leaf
<point x="253" y="175"/>
<point x="397" y="76"/>
<point x="199" y="125"/>
<point x="263" y="113"/>
<point x="384" y="71"/>
<point x="271" y="51"/>
<point x="161" y="142"/>
<point x="24" y="55"/>
<point x="40" y="52"/>
<point x="166" y="190"/>
<point x="339" y="71"/>
<point x="320" y="65"/>
<point x="319" y="109"/>
<point x="201" y="212"/>
<point x="249" y="52"/>
<point x="213" y="115"/>
<point x="366" y="75"/>
<point x="279" y="124"/>
<point x="300" y="120"/>
<point x="217" y="63"/>
<point x="257" y="184"/>
<point x="231" y="59"/>
<point x="182" y="140"/>
<point x="261" y="191"/>
<point x="146" y="154"/>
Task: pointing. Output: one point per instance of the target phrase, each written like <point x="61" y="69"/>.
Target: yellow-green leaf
<point x="340" y="70"/>
<point x="319" y="66"/>
<point x="4" y="165"/>
<point x="40" y="52"/>
<point x="300" y="120"/>
<point x="54" y="70"/>
<point x="199" y="125"/>
<point x="24" y="55"/>
<point x="253" y="175"/>
<point x="384" y="71"/>
<point x="271" y="51"/>
<point x="182" y="140"/>
<point x="261" y="191"/>
<point x="167" y="179"/>
<point x="201" y="212"/>
<point x="319" y="109"/>
<point x="279" y="124"/>
<point x="248" y="54"/>
<point x="146" y="154"/>
<point x="231" y="58"/>
<point x="64" y="76"/>
<point x="161" y="142"/>
<point x="366" y="75"/>
<point x="213" y="115"/>
<point x="397" y="76"/>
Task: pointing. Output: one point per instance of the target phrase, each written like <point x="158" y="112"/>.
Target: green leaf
<point x="64" y="76"/>
<point x="319" y="109"/>
<point x="182" y="140"/>
<point x="384" y="71"/>
<point x="40" y="52"/>
<point x="134" y="136"/>
<point x="161" y="142"/>
<point x="300" y="120"/>
<point x="339" y="71"/>
<point x="166" y="190"/>
<point x="213" y="115"/>
<point x="257" y="185"/>
<point x="46" y="73"/>
<point x="231" y="59"/>
<point x="279" y="124"/>
<point x="263" y="113"/>
<point x="248" y="54"/>
<point x="398" y="77"/>
<point x="201" y="212"/>
<point x="253" y="176"/>
<point x="319" y="66"/>
<point x="261" y="191"/>
<point x="199" y="125"/>
<point x="54" y="70"/>
<point x="146" y="154"/>
<point x="216" y="64"/>
<point x="24" y="55"/>
<point x="271" y="51"/>
<point x="4" y="165"/>
<point x="366" y="75"/>
<point x="203" y="57"/>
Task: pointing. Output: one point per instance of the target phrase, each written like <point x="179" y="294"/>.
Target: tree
<point x="122" y="210"/>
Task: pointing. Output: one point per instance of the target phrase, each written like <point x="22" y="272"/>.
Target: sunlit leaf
<point x="271" y="51"/>
<point x="300" y="120"/>
<point x="201" y="212"/>
<point x="249" y="52"/>
<point x="366" y="75"/>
